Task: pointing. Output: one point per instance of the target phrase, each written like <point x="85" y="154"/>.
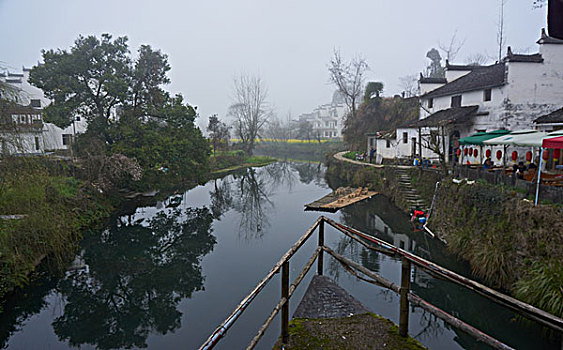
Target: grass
<point x="55" y="210"/>
<point x="542" y="285"/>
<point x="365" y="331"/>
<point x="351" y="154"/>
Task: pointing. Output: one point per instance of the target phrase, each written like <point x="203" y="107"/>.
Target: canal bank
<point x="510" y="244"/>
<point x="164" y="275"/>
<point x="46" y="205"/>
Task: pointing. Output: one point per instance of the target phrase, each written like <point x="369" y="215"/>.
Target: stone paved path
<point x="405" y="182"/>
<point x="326" y="299"/>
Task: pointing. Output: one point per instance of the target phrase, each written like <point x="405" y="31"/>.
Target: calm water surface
<point x="166" y="275"/>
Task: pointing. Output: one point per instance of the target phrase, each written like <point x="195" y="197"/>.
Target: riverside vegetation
<point x="510" y="244"/>
<point x="154" y="143"/>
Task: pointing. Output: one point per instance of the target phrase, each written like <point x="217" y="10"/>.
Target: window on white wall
<point x="387" y="143"/>
<point x="430" y="103"/>
<point x="67" y="139"/>
<point x="456" y="101"/>
<point x="487" y="95"/>
<point x="405" y="137"/>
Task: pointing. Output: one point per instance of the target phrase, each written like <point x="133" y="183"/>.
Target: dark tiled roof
<point x="481" y="77"/>
<point x="426" y="80"/>
<point x="553" y="117"/>
<point x="533" y="58"/>
<point x="455" y="115"/>
<point x="460" y="67"/>
<point x="545" y="39"/>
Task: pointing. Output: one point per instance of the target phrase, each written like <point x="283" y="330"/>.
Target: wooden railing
<point x="406" y="295"/>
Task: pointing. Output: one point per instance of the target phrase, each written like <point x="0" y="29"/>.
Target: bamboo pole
<point x="451" y="320"/>
<point x="229" y="321"/>
<point x="321" y="243"/>
<point x="417" y="301"/>
<point x="278" y="307"/>
<point x="404" y="302"/>
<point x="285" y="306"/>
<point x="527" y="310"/>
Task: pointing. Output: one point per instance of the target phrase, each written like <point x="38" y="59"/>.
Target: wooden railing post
<point x="285" y="307"/>
<point x="321" y="243"/>
<point x="405" y="288"/>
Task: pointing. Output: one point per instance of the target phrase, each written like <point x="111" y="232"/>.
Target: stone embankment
<point x="509" y="243"/>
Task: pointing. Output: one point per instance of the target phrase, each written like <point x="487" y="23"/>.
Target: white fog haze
<point x="288" y="44"/>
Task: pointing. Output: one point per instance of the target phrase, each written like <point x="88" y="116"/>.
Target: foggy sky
<point x="288" y="43"/>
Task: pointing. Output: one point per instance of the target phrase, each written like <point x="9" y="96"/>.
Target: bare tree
<point x="435" y="141"/>
<point x="349" y="78"/>
<point x="501" y="37"/>
<point x="250" y="110"/>
<point x="409" y="84"/>
<point x="451" y="49"/>
<point x="477" y="59"/>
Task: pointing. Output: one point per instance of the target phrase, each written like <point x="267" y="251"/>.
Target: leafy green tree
<point x="122" y="98"/>
<point x="218" y="132"/>
<point x="149" y="74"/>
<point x="373" y="89"/>
<point x="167" y="141"/>
<point x="90" y="80"/>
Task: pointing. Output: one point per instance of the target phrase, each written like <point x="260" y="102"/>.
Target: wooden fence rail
<point x="406" y="295"/>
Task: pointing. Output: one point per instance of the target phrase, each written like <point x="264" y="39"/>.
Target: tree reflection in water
<point x="221" y="198"/>
<point x="310" y="172"/>
<point x="135" y="277"/>
<point x="252" y="202"/>
<point x="248" y="192"/>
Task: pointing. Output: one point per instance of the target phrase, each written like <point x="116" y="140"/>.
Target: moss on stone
<point x="365" y="331"/>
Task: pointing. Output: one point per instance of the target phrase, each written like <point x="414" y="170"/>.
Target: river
<point x="165" y="275"/>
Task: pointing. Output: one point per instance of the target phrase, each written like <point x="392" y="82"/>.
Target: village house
<point x="21" y="129"/>
<point x="514" y="94"/>
<point x="30" y="101"/>
<point x="327" y="120"/>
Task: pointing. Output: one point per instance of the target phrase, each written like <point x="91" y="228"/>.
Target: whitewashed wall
<point x="452" y="75"/>
<point x="21" y="143"/>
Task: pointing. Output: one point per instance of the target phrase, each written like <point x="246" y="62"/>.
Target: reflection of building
<point x="32" y="99"/>
<point x="400" y="240"/>
<point x="509" y="95"/>
<point x="327" y="120"/>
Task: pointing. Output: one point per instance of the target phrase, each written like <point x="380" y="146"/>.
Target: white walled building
<point x="51" y="137"/>
<point x="327" y="120"/>
<point x="21" y="129"/>
<point x="509" y="95"/>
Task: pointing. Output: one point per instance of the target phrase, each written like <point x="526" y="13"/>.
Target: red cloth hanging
<point x="528" y="156"/>
<point x="499" y="154"/>
<point x="545" y="154"/>
<point x="514" y="155"/>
